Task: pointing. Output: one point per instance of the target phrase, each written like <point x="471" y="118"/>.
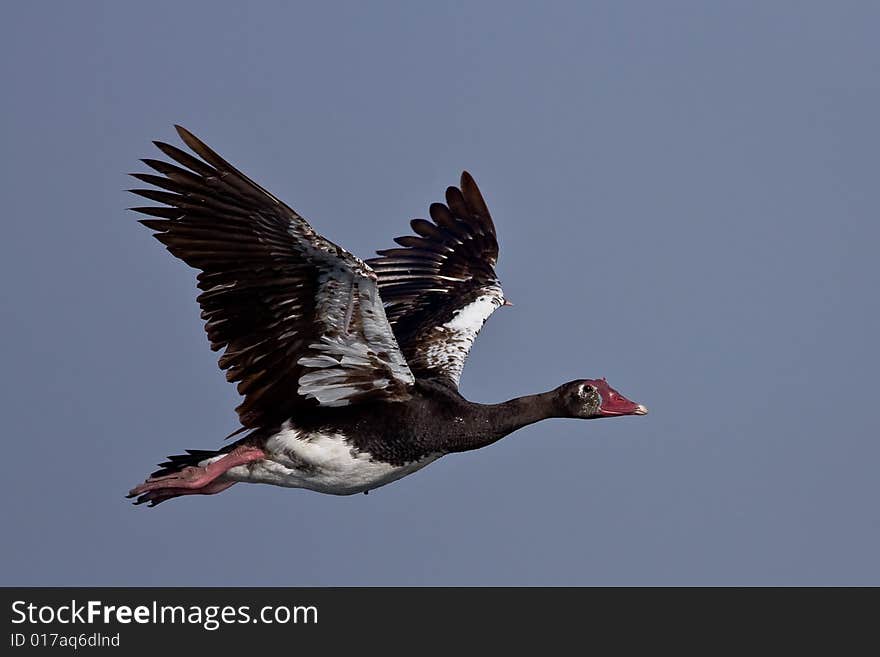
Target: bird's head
<point x="594" y="398"/>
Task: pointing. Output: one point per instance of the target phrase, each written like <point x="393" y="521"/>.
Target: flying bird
<point x="349" y="369"/>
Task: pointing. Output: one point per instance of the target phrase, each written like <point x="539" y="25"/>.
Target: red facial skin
<point x="613" y="403"/>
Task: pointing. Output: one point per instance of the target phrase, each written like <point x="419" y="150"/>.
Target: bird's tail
<point x="194" y="457"/>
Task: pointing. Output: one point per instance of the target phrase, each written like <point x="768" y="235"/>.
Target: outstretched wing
<point x="440" y="287"/>
<point x="299" y="319"/>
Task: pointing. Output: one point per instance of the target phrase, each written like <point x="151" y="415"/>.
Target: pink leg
<point x="154" y="497"/>
<point x="193" y="480"/>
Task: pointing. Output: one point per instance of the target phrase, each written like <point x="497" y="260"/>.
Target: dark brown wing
<point x="299" y="318"/>
<point x="440" y="287"/>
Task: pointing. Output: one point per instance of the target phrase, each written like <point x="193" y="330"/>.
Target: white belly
<point x="320" y="462"/>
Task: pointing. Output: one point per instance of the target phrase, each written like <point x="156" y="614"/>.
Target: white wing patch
<point x="341" y="367"/>
<point x="448" y="344"/>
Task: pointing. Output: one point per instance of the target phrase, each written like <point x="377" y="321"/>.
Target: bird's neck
<point x="488" y="423"/>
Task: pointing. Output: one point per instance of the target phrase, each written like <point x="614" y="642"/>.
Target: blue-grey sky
<point x="686" y="195"/>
